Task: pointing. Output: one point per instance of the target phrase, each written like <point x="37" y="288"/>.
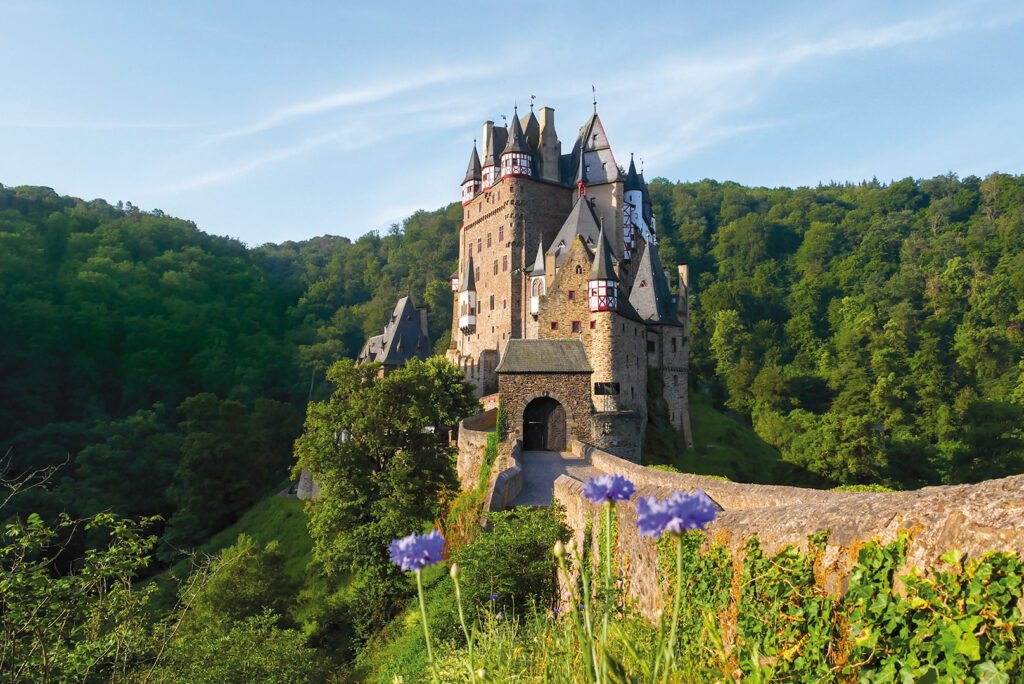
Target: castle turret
<point x="467" y="300"/>
<point x="632" y="211"/>
<point x="471" y="183"/>
<point x="516" y="159"/>
<point x="603" y="286"/>
<point x="537" y="285"/>
<point x="490" y="161"/>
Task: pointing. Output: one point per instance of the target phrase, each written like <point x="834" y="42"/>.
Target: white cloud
<point x="341" y="99"/>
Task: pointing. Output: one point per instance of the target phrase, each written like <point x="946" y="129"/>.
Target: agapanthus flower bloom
<point x="676" y="514"/>
<point x="417" y="551"/>
<point x="605" y="488"/>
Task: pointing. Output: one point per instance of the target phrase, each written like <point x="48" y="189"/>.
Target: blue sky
<point x="282" y="121"/>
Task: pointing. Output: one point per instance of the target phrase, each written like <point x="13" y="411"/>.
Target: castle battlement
<point x="563" y="247"/>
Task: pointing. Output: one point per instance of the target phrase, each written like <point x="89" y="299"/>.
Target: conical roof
<point x="648" y="211"/>
<point x="473" y="171"/>
<point x="516" y="141"/>
<point x="468" y="281"/>
<point x="603" y="268"/>
<point x="538" y="263"/>
<point x="650" y="295"/>
<point x="632" y="178"/>
<point x="531" y="130"/>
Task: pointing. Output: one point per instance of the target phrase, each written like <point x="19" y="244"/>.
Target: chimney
<point x="423" y="323"/>
<point x="550" y="149"/>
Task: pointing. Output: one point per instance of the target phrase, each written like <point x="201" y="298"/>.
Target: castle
<point x="562" y="308"/>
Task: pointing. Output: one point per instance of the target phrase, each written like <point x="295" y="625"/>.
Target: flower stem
<point x="465" y="630"/>
<point x="607" y="587"/>
<point x="426" y="629"/>
<point x="671" y="655"/>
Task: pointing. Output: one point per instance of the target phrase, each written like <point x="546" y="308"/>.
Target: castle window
<point x="593" y="325"/>
<point x="479" y="244"/>
<point x="488" y="239"/>
<point x="673" y="344"/>
<point x="478" y="273"/>
<point x="577" y="327"/>
<point x="650" y="346"/>
<point x="479" y="307"/>
<point x="572" y="295"/>
<point x="504" y="303"/>
<point x="579" y="269"/>
<point x="554" y="325"/>
<point x="504" y="262"/>
<point x="492" y="302"/>
<point x="604" y="389"/>
<point x="495" y="267"/>
<point x="643" y="283"/>
<point x="501" y="233"/>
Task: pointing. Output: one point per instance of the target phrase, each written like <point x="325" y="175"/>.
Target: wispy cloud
<point x="100" y="125"/>
<point x="351" y="97"/>
<point x="716" y="93"/>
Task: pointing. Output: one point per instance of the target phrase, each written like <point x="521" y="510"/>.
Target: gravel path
<point x="542" y="468"/>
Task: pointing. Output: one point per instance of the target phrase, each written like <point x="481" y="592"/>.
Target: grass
<point x="723" y="446"/>
<point x="274" y="518"/>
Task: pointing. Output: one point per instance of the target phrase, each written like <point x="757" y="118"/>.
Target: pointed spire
<point x="516" y="141"/>
<point x="538" y="263"/>
<point x="603" y="268"/>
<point x="468" y="283"/>
<point x="632" y="178"/>
<point x="473" y="171"/>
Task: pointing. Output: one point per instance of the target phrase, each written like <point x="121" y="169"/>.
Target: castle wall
<point x="473" y="433"/>
<point x="557" y="308"/>
<point x="502" y="227"/>
<point x="667" y="352"/>
<point x="571" y="390"/>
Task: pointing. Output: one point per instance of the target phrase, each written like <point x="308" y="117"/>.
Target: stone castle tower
<point x="562" y="306"/>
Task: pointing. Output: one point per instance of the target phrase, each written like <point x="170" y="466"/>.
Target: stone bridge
<point x="988" y="516"/>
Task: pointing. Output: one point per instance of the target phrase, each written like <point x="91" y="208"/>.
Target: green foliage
<point x="379" y="450"/>
<point x="229" y="458"/>
<point x="251" y="650"/>
<point x="961" y="624"/>
<point x="242" y="582"/>
<point x="855" y="326"/>
<point x="79" y="623"/>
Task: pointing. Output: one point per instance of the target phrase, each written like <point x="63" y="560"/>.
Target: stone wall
<point x="619" y="433"/>
<point x="558" y="309"/>
<point x="472" y="442"/>
<point x="496" y="233"/>
<point x="571" y="390"/>
<point x="971" y="518"/>
<point x="506" y="485"/>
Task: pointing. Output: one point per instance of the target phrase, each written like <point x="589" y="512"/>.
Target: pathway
<point x="542" y="468"/>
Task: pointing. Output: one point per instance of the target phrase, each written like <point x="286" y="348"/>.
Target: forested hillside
<point x="870" y="332"/>
<point x="165" y="370"/>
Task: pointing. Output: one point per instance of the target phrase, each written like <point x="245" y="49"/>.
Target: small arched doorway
<point x="544" y="426"/>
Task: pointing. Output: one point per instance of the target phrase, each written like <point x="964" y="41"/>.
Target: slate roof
<point x="650" y="295"/>
<point x="538" y="263"/>
<point x="581" y="221"/>
<point x="516" y="141"/>
<point x="632" y="178"/>
<point x="544" y="356"/>
<point x="603" y="268"/>
<point x="473" y="171"/>
<point x="468" y="281"/>
<point x="404" y="337"/>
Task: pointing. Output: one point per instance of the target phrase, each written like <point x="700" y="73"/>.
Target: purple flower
<point x="676" y="514"/>
<point x="417" y="551"/>
<point x="605" y="488"/>
<point x="494" y="597"/>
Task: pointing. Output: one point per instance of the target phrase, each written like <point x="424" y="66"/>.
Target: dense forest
<point x="870" y="332"/>
<point x="154" y="380"/>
